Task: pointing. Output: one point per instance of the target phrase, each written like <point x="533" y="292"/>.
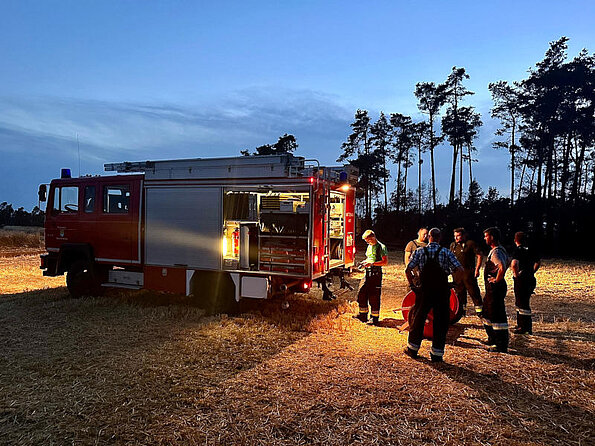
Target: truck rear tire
<point x="214" y="292"/>
<point x="82" y="279"/>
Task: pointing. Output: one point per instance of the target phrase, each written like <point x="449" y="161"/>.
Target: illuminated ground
<point x="154" y="370"/>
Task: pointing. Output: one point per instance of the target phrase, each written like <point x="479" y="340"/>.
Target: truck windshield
<point x="66" y="199"/>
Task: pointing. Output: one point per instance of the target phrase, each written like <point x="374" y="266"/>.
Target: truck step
<point x="121" y="285"/>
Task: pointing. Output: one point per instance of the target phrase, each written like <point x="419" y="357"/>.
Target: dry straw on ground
<point x="144" y="368"/>
<point x="17" y="240"/>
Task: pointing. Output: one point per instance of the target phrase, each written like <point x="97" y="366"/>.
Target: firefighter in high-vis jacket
<point x="494" y="310"/>
<point x="369" y="292"/>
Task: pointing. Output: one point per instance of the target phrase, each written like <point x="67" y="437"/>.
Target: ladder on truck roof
<point x="265" y="166"/>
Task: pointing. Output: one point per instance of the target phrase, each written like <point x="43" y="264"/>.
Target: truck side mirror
<point x="42" y="192"/>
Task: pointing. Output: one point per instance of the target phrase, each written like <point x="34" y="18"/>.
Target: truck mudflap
<point x="49" y="263"/>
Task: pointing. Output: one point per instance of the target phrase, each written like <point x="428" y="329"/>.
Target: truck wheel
<point x="214" y="292"/>
<point x="82" y="280"/>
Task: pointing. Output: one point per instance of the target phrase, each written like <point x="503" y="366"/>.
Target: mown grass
<point x="149" y="368"/>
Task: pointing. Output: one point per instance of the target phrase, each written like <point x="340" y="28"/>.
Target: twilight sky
<point x="139" y="80"/>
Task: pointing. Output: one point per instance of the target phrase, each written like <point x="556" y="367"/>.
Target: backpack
<point x="432" y="275"/>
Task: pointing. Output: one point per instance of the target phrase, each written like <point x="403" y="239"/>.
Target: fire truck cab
<point x="220" y="229"/>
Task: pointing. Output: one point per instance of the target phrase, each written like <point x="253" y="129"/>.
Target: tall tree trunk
<point x="461" y="175"/>
<point x="470" y="163"/>
<point x="419" y="163"/>
<point x="432" y="163"/>
<point x="366" y="194"/>
<point x="398" y="186"/>
<point x="555" y="173"/>
<point x="578" y="172"/>
<point x="550" y="169"/>
<point x="539" y="169"/>
<point x="592" y="182"/>
<point x="565" y="168"/>
<point x="512" y="165"/>
<point x="385" y="180"/>
<point x="405" y="179"/>
<point x="451" y="195"/>
<point x="521" y="182"/>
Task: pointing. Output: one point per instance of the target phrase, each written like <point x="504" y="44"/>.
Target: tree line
<point x="20" y="217"/>
<point x="547" y="125"/>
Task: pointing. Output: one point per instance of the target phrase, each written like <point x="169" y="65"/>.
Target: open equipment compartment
<point x="337" y="228"/>
<point x="284" y="232"/>
<point x="266" y="231"/>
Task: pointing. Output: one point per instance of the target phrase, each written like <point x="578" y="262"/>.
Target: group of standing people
<point x="428" y="266"/>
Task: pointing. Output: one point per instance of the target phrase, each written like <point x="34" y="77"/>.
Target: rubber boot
<point x="525" y="325"/>
<point x="518" y="322"/>
<point x="363" y="317"/>
<point x="491" y="338"/>
<point x="501" y="341"/>
<point x="375" y="320"/>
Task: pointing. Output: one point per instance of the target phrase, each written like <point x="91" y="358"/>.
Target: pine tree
<point x="452" y="124"/>
<point x="380" y="138"/>
<point x="431" y="99"/>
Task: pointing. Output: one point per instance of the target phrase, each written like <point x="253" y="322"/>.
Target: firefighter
<point x="369" y="292"/>
<point x="420" y="242"/>
<point x="435" y="264"/>
<point x="468" y="254"/>
<point x="524" y="266"/>
<point x="494" y="310"/>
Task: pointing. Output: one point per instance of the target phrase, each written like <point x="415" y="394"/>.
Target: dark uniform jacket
<point x="465" y="253"/>
<point x="527" y="260"/>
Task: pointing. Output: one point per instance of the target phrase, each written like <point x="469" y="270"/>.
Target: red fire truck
<point x="220" y="229"/>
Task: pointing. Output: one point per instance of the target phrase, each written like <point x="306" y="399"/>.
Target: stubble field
<point x="142" y="368"/>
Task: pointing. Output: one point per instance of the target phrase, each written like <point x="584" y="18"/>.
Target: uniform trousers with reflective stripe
<point x="494" y="314"/>
<point x="524" y="285"/>
<point x="438" y="299"/>
<point x="468" y="284"/>
<point x="369" y="292"/>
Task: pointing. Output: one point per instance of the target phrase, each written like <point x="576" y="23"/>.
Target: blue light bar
<point x="65" y="173"/>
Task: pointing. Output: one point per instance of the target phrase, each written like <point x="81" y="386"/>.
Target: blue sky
<point x="139" y="80"/>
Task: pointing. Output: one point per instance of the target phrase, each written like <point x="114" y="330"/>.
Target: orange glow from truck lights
<point x="316" y="258"/>
<point x="306" y="285"/>
<point x="311" y="179"/>
<point x="345" y="187"/>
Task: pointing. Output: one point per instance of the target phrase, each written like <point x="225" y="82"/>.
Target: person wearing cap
<point x="435" y="264"/>
<point x="468" y="254"/>
<point x="495" y="320"/>
<point x="369" y="292"/>
<point x="524" y="266"/>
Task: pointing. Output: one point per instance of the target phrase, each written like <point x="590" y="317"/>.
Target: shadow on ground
<point x="102" y="368"/>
